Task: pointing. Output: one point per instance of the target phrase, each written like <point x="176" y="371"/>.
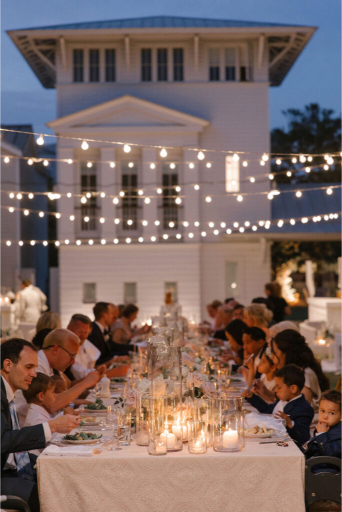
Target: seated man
<point x="18" y="362"/>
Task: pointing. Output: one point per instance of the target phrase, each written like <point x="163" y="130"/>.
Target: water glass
<point x="197" y="437"/>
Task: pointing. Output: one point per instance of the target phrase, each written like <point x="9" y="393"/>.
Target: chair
<point x="322" y="484"/>
<point x="15" y="501"/>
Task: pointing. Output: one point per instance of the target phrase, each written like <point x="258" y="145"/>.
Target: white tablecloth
<point x="262" y="477"/>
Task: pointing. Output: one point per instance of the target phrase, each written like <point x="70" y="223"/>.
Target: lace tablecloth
<point x="265" y="477"/>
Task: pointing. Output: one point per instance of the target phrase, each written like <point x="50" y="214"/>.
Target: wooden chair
<point x="15" y="501"/>
<point x="322" y="484"/>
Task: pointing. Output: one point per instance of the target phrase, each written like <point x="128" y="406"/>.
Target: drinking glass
<point x="114" y="421"/>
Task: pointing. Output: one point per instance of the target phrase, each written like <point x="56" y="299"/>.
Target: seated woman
<point x="122" y="331"/>
<point x="257" y="315"/>
<point x="46" y="323"/>
<point x="234" y="331"/>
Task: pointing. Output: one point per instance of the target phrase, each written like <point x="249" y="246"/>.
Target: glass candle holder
<point x="142" y="419"/>
<point x="227" y="420"/>
<point x="157" y="440"/>
<point x="197" y="437"/>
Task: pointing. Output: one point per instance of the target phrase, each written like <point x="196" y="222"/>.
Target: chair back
<point x="322" y="481"/>
<point x="13" y="501"/>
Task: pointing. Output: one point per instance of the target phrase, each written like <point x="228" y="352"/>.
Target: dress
<point x="126" y="331"/>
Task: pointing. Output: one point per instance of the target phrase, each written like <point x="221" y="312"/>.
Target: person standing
<point x="31" y="302"/>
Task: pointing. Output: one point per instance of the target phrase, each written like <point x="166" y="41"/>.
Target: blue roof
<point x="159" y="22"/>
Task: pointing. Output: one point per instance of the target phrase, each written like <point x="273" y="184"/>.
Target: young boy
<point x="291" y="405"/>
<point x="327" y="435"/>
<point x="40" y="396"/>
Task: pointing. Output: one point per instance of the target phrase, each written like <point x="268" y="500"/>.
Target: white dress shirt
<point x="37" y="414"/>
<point x="10" y="463"/>
<point x="281" y="404"/>
<point x="85" y="360"/>
<point x="31" y="303"/>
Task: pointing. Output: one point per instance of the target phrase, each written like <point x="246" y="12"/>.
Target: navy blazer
<point x="299" y="410"/>
<point x="108" y="349"/>
<point x="326" y="443"/>
<point x="24" y="439"/>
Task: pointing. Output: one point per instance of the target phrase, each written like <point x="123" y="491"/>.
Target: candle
<point x="230" y="439"/>
<point x="143" y="437"/>
<point x="160" y="447"/>
<point x="170" y="440"/>
<point x="177" y="430"/>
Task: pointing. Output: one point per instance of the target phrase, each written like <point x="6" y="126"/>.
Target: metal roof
<point x="160" y="22"/>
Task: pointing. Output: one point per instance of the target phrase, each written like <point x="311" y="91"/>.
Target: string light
<point x="261" y="223"/>
<point x="292" y="222"/>
<point x="278" y="161"/>
<point x="216" y="232"/>
<point x="66" y="242"/>
<point x="294" y="160"/>
<point x="247" y="223"/>
<point x="208" y="199"/>
<point x="242" y="230"/>
<point x="6" y="160"/>
<point x="40" y="140"/>
<point x="116" y="200"/>
<point x="270" y="196"/>
<point x="310" y="158"/>
<point x="8" y="243"/>
<point x="131" y="165"/>
<point x="78" y="242"/>
<point x="153" y="238"/>
<point x="127" y="148"/>
<point x="265" y="157"/>
<point x="307" y="170"/>
<point x="223" y="224"/>
<point x="252" y="179"/>
<point x="90" y="242"/>
<point x="147" y="200"/>
<point x="72" y="217"/>
<point x="30" y="161"/>
<point x="203" y="233"/>
<point x="239" y="198"/>
<point x="26" y="212"/>
<point x="172" y="166"/>
<point x="329" y="191"/>
<point x="84" y="145"/>
<point x="89" y="165"/>
<point x="280" y="223"/>
<point x="191" y="235"/>
<point x="171" y="224"/>
<point x="32" y="243"/>
<point x="112" y="165"/>
<point x="115" y="241"/>
<point x="140" y="192"/>
<point x="178" y="200"/>
<point x="70" y="161"/>
<point x="163" y="153"/>
<point x="211" y="224"/>
<point x="302" y="159"/>
<point x="236" y="224"/>
<point x="41" y="214"/>
<point x="152" y="166"/>
<point x="330" y="161"/>
<point x="236" y="157"/>
<point x="208" y="165"/>
<point x="140" y="239"/>
<point x="159" y="191"/>
<point x="192" y="165"/>
<point x="229" y="231"/>
<point x="103" y="194"/>
<point x="21" y="243"/>
<point x="298" y="193"/>
<point x="103" y="241"/>
<point x="254" y="228"/>
<point x="271" y="176"/>
<point x="178" y="189"/>
<point x="19" y="196"/>
<point x="326" y="167"/>
<point x="45" y="163"/>
<point x="245" y="163"/>
<point x="178" y="236"/>
<point x="196" y="187"/>
<point x="185" y="224"/>
<point x="11" y="209"/>
<point x="201" y="155"/>
<point x="122" y="193"/>
<point x="102" y="220"/>
<point x="57" y="244"/>
<point x="262" y="162"/>
<point x="11" y="195"/>
<point x="129" y="222"/>
<point x="144" y="223"/>
<point x="165" y="237"/>
<point x="196" y="224"/>
<point x="86" y="219"/>
<point x="289" y="174"/>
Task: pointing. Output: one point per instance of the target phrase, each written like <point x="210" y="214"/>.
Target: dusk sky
<point x="315" y="77"/>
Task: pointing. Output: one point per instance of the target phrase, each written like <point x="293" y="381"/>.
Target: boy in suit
<point x="291" y="405"/>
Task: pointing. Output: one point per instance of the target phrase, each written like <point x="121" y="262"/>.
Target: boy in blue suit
<point x="327" y="435"/>
<point x="291" y="405"/>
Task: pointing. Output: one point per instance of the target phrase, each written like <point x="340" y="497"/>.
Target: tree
<point x="313" y="130"/>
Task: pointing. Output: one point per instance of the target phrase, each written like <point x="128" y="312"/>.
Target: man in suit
<point x="18" y="362"/>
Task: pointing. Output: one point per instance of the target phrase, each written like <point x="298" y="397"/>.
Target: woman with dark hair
<point x="234" y="331"/>
<point x="289" y="347"/>
<point x="122" y="330"/>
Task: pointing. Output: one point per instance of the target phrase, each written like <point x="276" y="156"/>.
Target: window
<point x="146" y="65"/>
<point x="129" y="181"/>
<point x="170" y="208"/>
<point x="130" y="293"/>
<point x="94" y="65"/>
<point x="230" y="63"/>
<point x="171" y="288"/>
<point x="78" y="66"/>
<point x="89" y="293"/>
<point x="162" y="64"/>
<point x="214" y="64"/>
<point x="110" y="65"/>
<point x="178" y="64"/>
<point x="244" y="65"/>
<point x="232" y="175"/>
<point x="232" y="279"/>
<point x="89" y="209"/>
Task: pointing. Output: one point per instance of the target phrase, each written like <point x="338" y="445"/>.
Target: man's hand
<point x="64" y="424"/>
<point x="102" y="368"/>
<point x="321" y="427"/>
<point x="281" y="415"/>
<point x="91" y="379"/>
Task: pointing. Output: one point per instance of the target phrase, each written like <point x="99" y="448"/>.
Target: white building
<point x="179" y="83"/>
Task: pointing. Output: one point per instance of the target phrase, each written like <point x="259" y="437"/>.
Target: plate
<point x="262" y="435"/>
<point x="93" y="423"/>
<point x="83" y="441"/>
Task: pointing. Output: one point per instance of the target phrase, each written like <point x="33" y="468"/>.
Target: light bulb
<point x="103" y="241"/>
<point x="89" y="165"/>
<point x="72" y="217"/>
<point x="157" y="223"/>
<point x="90" y="242"/>
<point x="216" y="232"/>
<point x="299" y="193"/>
<point x="292" y="222"/>
<point x="30" y="196"/>
<point x="196" y="224"/>
<point x="276" y="192"/>
<point x="171" y="224"/>
<point x="254" y="228"/>
<point x="211" y="224"/>
<point x="201" y="155"/>
<point x="103" y="194"/>
<point x="172" y="166"/>
<point x="45" y="163"/>
<point x="280" y="223"/>
<point x="270" y="196"/>
<point x="261" y="223"/>
<point x="140" y="192"/>
<point x="326" y="217"/>
<point x="58" y="215"/>
<point x="122" y="193"/>
<point x="185" y="224"/>
<point x="271" y="176"/>
<point x="265" y="157"/>
<point x="236" y="157"/>
<point x="116" y="221"/>
<point x="208" y="199"/>
<point x="294" y="160"/>
<point x="19" y="196"/>
<point x="196" y="187"/>
<point x="247" y="223"/>
<point x="6" y="160"/>
<point x="239" y="198"/>
<point x="66" y="242"/>
<point x="326" y="167"/>
<point x="326" y="157"/>
<point x="115" y="241"/>
<point x="252" y="180"/>
<point x="319" y="218"/>
<point x="84" y="145"/>
<point x="153" y="238"/>
<point x="102" y="220"/>
<point x="242" y="230"/>
<point x="203" y="233"/>
<point x="304" y="220"/>
<point x="245" y="163"/>
<point x="330" y="161"/>
<point x="165" y="237"/>
<point x="8" y="243"/>
<point x="57" y="243"/>
<point x="86" y="219"/>
<point x="140" y="239"/>
<point x="178" y="200"/>
<point x="208" y="165"/>
<point x="83" y="200"/>
<point x="40" y="140"/>
<point x="262" y="162"/>
<point x="144" y="223"/>
<point x="178" y="189"/>
<point x="329" y="191"/>
<point x="69" y="161"/>
<point x="131" y="165"/>
<point x="116" y="200"/>
<point x="78" y="242"/>
<point x="307" y="169"/>
<point x="26" y="212"/>
<point x="32" y="242"/>
<point x="159" y="191"/>
<point x="302" y="159"/>
<point x="30" y="161"/>
<point x="129" y="222"/>
<point x="11" y="195"/>
<point x="289" y="174"/>
<point x="178" y="236"/>
<point x="69" y="194"/>
<point x="278" y="161"/>
<point x="309" y="158"/>
<point x="152" y="166"/>
<point x="223" y="224"/>
<point x="236" y="224"/>
<point x="147" y="200"/>
<point x="45" y="243"/>
<point x="88" y="194"/>
<point x="191" y="235"/>
<point x="192" y="165"/>
<point x="112" y="165"/>
<point x="267" y="224"/>
<point x="163" y="153"/>
<point x="127" y="148"/>
<point x="41" y="214"/>
<point x="21" y="243"/>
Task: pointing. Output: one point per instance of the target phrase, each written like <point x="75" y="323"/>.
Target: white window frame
<point x="84" y="294"/>
<point x="130" y="300"/>
<point x="232" y="174"/>
<point x="239" y="47"/>
<point x="94" y="46"/>
<point x="169" y="47"/>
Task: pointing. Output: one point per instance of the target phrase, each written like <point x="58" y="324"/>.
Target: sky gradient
<point x="315" y="77"/>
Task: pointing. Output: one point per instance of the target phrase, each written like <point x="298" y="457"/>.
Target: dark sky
<point x="315" y="77"/>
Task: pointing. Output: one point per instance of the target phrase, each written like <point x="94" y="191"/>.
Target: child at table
<point x="327" y="435"/>
<point x="291" y="405"/>
<point x="267" y="368"/>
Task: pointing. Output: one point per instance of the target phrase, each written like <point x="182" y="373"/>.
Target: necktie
<point x="22" y="459"/>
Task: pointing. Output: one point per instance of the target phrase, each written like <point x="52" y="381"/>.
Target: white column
<point x="65" y="205"/>
<point x="191" y="201"/>
<point x="107" y="177"/>
<point x="150" y="211"/>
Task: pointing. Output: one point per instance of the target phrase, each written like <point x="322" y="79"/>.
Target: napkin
<point x="72" y="450"/>
<point x="255" y="418"/>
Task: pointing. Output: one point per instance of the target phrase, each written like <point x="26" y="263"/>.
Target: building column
<point x="150" y="211"/>
<point x="107" y="179"/>
<point x="191" y="201"/>
<point x="65" y="184"/>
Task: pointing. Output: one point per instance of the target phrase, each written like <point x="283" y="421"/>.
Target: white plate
<point x="96" y="411"/>
<point x="83" y="441"/>
<point x="263" y="435"/>
<point x="92" y="423"/>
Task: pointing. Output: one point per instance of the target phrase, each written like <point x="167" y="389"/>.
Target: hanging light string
<point x="238" y="229"/>
<point x="127" y="146"/>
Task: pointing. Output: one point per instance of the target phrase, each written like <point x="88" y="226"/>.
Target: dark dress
<point x="279" y="305"/>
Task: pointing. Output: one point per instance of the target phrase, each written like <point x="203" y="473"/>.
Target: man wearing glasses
<point x="58" y="352"/>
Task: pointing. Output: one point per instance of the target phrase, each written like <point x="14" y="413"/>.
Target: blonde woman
<point x="257" y="315"/>
<point x="49" y="320"/>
